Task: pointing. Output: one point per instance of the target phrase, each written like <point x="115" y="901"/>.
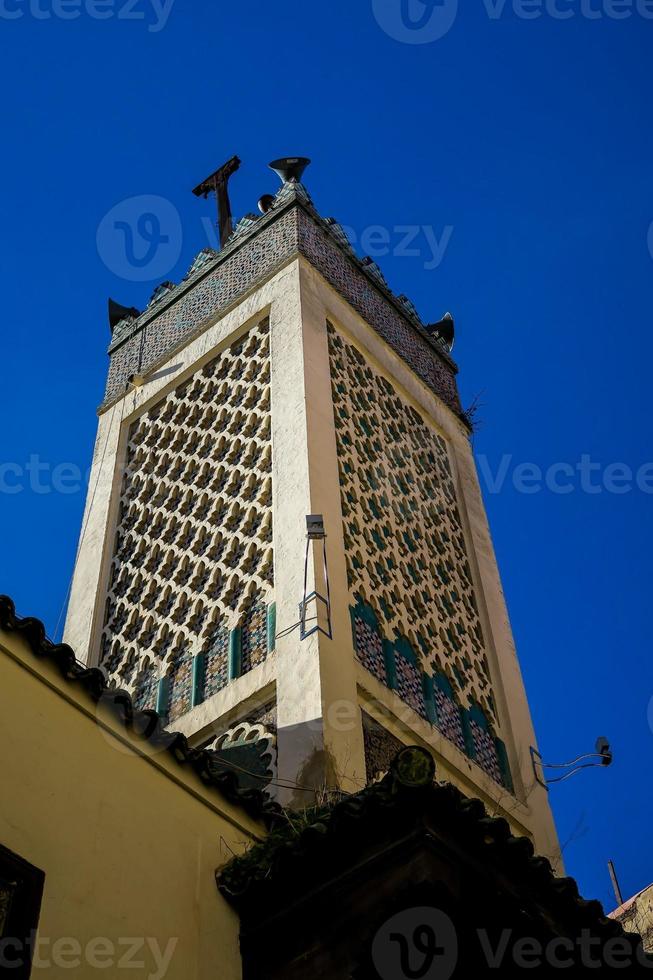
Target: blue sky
<point x="523" y="146"/>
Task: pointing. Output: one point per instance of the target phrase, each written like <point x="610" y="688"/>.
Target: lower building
<point x="110" y="829"/>
<point x="122" y="847"/>
<point x="636" y="915"/>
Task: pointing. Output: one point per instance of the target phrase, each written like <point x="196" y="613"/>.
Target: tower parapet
<point x="260" y="247"/>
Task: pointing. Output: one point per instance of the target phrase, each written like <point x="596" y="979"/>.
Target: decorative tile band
<point x="191" y="680"/>
<point x="213" y="669"/>
<point x="322" y="251"/>
<point x="432" y="697"/>
<point x="146" y="689"/>
<point x="213" y="285"/>
<point x="213" y="291"/>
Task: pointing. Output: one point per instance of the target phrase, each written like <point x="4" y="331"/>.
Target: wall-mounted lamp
<point x="315" y="531"/>
<point x="602" y="757"/>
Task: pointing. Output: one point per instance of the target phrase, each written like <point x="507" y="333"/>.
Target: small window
<point x="21" y="890"/>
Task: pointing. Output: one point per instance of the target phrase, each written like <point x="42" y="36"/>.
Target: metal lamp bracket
<point x="600" y="759"/>
<point x="315" y="532"/>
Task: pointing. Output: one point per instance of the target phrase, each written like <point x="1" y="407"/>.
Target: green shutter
<point x="163" y="696"/>
<point x="199" y="673"/>
<point x="235" y="653"/>
<point x="272" y="626"/>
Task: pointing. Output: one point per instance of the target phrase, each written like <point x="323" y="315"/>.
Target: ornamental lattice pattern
<point x="404" y="540"/>
<point x="381" y="747"/>
<point x="193" y="549"/>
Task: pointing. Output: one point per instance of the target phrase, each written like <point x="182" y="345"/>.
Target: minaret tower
<point x="283" y="378"/>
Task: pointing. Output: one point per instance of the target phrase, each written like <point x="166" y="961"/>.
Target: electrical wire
<point x="282" y="784"/>
<point x="566" y="765"/>
<point x="291" y="629"/>
<point x="561" y="779"/>
<point x="606" y="760"/>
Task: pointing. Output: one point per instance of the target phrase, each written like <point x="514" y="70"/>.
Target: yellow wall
<point x="129" y="843"/>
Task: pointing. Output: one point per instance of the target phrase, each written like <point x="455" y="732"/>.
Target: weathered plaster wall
<point x="129" y="843"/>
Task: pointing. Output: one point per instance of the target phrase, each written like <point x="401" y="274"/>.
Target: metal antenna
<point x="602" y="753"/>
<point x="217" y="184"/>
<point x="615" y="884"/>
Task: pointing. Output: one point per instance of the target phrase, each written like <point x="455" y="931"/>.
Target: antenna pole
<point x="217" y="184"/>
<point x="615" y="884"/>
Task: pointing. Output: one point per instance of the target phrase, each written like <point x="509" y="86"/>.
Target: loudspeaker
<point x="265" y="203"/>
<point x="290" y="169"/>
<point x="117" y="312"/>
<point x="444" y="330"/>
